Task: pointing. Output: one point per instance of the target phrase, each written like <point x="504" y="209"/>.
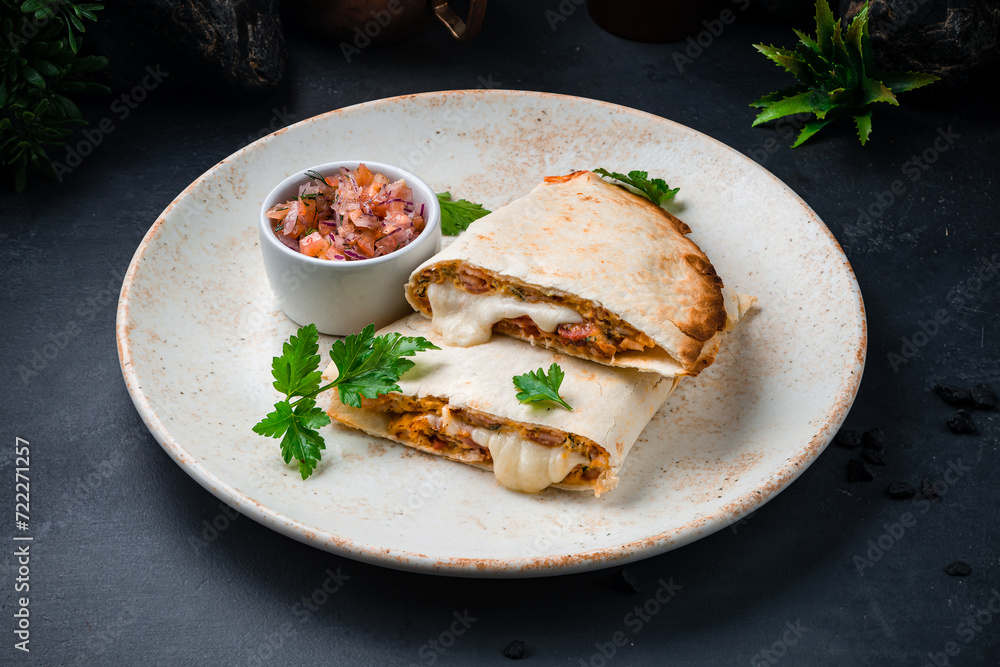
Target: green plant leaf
<point x="771" y="98"/>
<point x="811" y="128"/>
<point x="45" y="68"/>
<point x="801" y="103"/>
<point x="901" y="82"/>
<point x="790" y="61"/>
<point x="89" y="64"/>
<point x="33" y="77"/>
<point x="864" y="125"/>
<point x="855" y="42"/>
<point x="806" y="40"/>
<point x="874" y="91"/>
<point x="824" y="28"/>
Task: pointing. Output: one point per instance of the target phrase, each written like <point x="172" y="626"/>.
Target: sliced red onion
<point x="288" y="241"/>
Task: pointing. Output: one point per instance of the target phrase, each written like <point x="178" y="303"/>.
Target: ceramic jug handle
<point x="461" y="30"/>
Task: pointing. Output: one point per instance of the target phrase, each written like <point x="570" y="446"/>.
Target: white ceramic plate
<point x="198" y="325"/>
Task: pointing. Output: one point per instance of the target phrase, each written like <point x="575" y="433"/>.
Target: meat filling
<point x="602" y="335"/>
<point x="430" y="423"/>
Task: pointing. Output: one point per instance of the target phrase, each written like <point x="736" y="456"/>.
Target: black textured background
<point x="116" y="578"/>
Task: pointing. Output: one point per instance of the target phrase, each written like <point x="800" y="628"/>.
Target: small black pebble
<point x="901" y="490"/>
<point x="858" y="471"/>
<point x="874" y="440"/>
<point x="624" y="581"/>
<point x="961" y="422"/>
<point x="515" y="650"/>
<point x="848" y="439"/>
<point x="983" y="397"/>
<point x="958" y="569"/>
<point x="927" y="490"/>
<point x="872" y="456"/>
<point x="951" y="394"/>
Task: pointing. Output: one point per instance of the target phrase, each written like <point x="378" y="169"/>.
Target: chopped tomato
<point x="313" y="245"/>
<point x="307" y="209"/>
<point x="354" y="215"/>
<point x="363" y="176"/>
<point x="577" y="331"/>
<point x="366" y="242"/>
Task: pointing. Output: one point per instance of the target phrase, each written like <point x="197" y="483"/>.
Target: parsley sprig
<point x="537" y="386"/>
<point x="367" y="365"/>
<point x="458" y="214"/>
<point x="655" y="190"/>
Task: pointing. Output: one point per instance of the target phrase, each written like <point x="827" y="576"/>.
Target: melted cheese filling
<point x="519" y="464"/>
<point x="465" y="319"/>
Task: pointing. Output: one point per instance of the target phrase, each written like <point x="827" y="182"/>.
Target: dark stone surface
<point x="218" y="48"/>
<point x="122" y="573"/>
<point x="901" y="490"/>
<point x="848" y="438"/>
<point x="962" y="422"/>
<point x="953" y="39"/>
<point x="952" y="394"/>
<point x="983" y="397"/>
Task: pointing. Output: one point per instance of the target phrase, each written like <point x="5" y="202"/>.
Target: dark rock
<point x="858" y="471"/>
<point x="958" y="569"/>
<point x="928" y="491"/>
<point x="624" y="581"/>
<point x="901" y="490"/>
<point x="961" y="422"/>
<point x="848" y="439"/>
<point x="983" y="397"/>
<point x="873" y="456"/>
<point x="953" y="39"/>
<point x="228" y="48"/>
<point x="515" y="650"/>
<point x="874" y="440"/>
<point x="952" y="394"/>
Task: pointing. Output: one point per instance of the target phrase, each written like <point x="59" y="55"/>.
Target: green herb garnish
<point x="367" y="365"/>
<point x="655" y="190"/>
<point x="837" y="77"/>
<point x="315" y="175"/>
<point x="311" y="195"/>
<point x="536" y="386"/>
<point x="457" y="215"/>
<point x="39" y="67"/>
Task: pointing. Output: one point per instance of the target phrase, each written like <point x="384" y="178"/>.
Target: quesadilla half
<point x="460" y="403"/>
<point x="586" y="268"/>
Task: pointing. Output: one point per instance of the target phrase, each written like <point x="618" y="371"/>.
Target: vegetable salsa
<point x="352" y="215"/>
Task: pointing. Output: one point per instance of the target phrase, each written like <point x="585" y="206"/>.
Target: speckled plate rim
<point x="854" y="363"/>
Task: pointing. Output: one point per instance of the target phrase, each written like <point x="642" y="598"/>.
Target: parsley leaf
<point x="655" y="190"/>
<point x="297" y="429"/>
<point x="536" y="386"/>
<point x="368" y="365"/>
<point x="457" y="215"/>
<point x="295" y="371"/>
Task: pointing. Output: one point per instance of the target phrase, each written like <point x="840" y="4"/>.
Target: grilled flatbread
<point x="460" y="403"/>
<point x="586" y="268"/>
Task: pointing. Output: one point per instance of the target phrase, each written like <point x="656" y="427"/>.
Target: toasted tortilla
<point x="611" y="406"/>
<point x="592" y="245"/>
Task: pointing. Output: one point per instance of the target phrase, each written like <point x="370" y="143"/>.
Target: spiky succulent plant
<point x="837" y="77"/>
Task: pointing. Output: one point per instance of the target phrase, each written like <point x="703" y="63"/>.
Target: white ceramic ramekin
<point x="342" y="297"/>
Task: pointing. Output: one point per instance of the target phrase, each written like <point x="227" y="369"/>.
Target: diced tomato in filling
<point x="577" y="331"/>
